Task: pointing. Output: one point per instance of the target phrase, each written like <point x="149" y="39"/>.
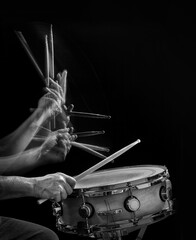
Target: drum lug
<point x="131" y="204"/>
<point x="86" y="210"/>
<point x="166" y="191"/>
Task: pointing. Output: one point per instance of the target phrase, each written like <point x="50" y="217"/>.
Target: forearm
<point x="18" y="140"/>
<point x="16" y="187"/>
<point x="20" y="163"/>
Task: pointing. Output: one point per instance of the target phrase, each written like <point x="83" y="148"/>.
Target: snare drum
<point x="116" y="201"/>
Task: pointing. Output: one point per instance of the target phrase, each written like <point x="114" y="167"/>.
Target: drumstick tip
<point x="40" y="201"/>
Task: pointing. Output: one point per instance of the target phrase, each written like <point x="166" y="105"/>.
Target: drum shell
<point x="111" y="208"/>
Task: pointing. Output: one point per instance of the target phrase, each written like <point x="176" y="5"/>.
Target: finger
<point x="55" y="93"/>
<point x="63" y="193"/>
<point x="71" y="130"/>
<point x="58" y="76"/>
<point x="73" y="137"/>
<point x="67" y="145"/>
<point x="63" y="130"/>
<point x="63" y="146"/>
<point x="51" y="95"/>
<point x="56" y="86"/>
<point x="65" y="117"/>
<point x="64" y="141"/>
<point x="56" y="193"/>
<point x="63" y="136"/>
<point x="64" y="84"/>
<point x="62" y="78"/>
<point x="65" y="188"/>
<point x="70" y="108"/>
<point x="64" y="125"/>
<point x="68" y="189"/>
<point x="57" y="197"/>
<point x="70" y="180"/>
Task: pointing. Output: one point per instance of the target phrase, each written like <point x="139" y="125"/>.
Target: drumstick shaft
<point x="47" y="60"/>
<point x="89" y="133"/>
<point x="100" y="164"/>
<point x="89" y="115"/>
<point x="105" y="161"/>
<point x="47" y="67"/>
<point x="51" y="63"/>
<point x="52" y="52"/>
<point x="87" y="149"/>
<point x="27" y="48"/>
<point x="97" y="148"/>
<point x="84" y="114"/>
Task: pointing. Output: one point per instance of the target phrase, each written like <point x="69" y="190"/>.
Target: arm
<point x="54" y="149"/>
<point x="48" y="106"/>
<point x="52" y="186"/>
<point x="15" y="187"/>
<point x="20" y="163"/>
<point x="18" y="140"/>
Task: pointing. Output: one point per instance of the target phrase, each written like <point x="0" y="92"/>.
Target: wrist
<point x="39" y="117"/>
<point x="33" y="187"/>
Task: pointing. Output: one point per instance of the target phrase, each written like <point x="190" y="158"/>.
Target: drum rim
<point x="125" y="184"/>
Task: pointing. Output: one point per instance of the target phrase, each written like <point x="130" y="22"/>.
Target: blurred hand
<point x="55" y="186"/>
<point x="53" y="100"/>
<point x="62" y="81"/>
<point x="57" y="145"/>
<point x="63" y="117"/>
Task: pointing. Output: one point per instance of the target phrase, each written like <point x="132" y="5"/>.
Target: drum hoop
<point x="123" y="187"/>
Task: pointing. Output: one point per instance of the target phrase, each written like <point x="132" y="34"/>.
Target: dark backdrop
<point x="134" y="62"/>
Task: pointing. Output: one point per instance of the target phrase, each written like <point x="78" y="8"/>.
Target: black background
<point x="134" y="62"/>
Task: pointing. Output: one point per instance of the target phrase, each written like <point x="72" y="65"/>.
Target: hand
<point x="55" y="186"/>
<point x="57" y="145"/>
<point x="55" y="99"/>
<point x="62" y="81"/>
<point x="63" y="118"/>
<point x="52" y="101"/>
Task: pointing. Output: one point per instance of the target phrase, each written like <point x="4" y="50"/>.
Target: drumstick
<point x="64" y="86"/>
<point x="87" y="149"/>
<point x="88" y="133"/>
<point x="51" y="55"/>
<point x="98" y="148"/>
<point x="100" y="164"/>
<point x="47" y="66"/>
<point x="90" y="115"/>
<point x="84" y="114"/>
<point x="106" y="160"/>
<point x="27" y="48"/>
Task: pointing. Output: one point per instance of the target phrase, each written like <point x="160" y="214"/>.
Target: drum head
<point x="119" y="175"/>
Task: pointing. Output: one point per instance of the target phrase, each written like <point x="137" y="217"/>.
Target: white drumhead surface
<point x="118" y="175"/>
